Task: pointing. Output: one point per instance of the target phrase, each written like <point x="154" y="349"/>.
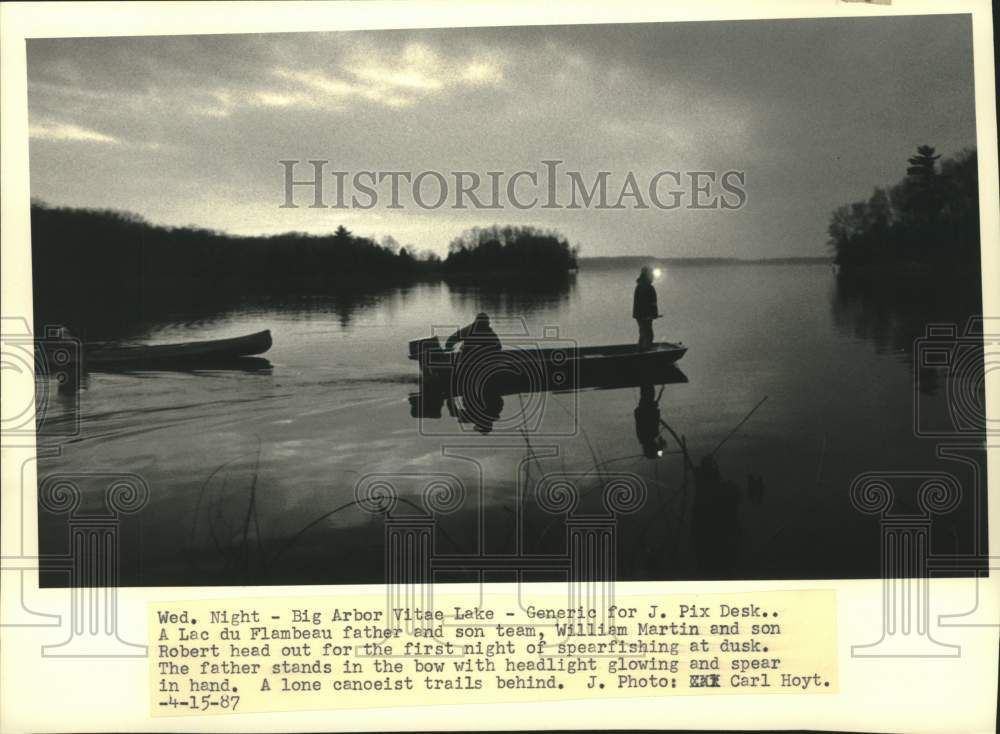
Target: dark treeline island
<point x="92" y="266"/>
<point x="519" y="250"/>
<point x="909" y="255"/>
<point x="930" y="217"/>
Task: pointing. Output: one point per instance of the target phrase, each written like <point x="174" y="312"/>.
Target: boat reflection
<point x="259" y="365"/>
<point x="482" y="407"/>
<point x="69" y="382"/>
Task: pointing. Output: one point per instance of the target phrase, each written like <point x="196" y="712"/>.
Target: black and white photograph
<point x="652" y="301"/>
<point x="429" y="365"/>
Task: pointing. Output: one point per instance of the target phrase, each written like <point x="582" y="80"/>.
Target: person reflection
<point x="426" y="404"/>
<point x="481" y="408"/>
<point x="647" y="422"/>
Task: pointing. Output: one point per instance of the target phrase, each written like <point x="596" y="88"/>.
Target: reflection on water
<point x="648" y="422"/>
<point x="499" y="297"/>
<point x="344" y="304"/>
<point x="221" y="364"/>
<point x="482" y="410"/>
<point x="253" y="472"/>
<point x="715" y="520"/>
<point x="479" y="400"/>
<point x="893" y="310"/>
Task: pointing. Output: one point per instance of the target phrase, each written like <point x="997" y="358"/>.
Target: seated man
<point x="475" y="365"/>
<point x="477" y="338"/>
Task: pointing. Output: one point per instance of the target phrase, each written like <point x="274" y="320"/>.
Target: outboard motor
<point x="420" y="347"/>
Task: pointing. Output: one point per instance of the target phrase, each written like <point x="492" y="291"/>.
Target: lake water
<point x="252" y="473"/>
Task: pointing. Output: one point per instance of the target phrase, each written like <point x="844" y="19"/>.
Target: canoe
<point x="181" y="354"/>
<point x="533" y="368"/>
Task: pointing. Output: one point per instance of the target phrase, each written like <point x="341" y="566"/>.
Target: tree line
<point x="511" y="249"/>
<point x="929" y="217"/>
<point x="114" y="259"/>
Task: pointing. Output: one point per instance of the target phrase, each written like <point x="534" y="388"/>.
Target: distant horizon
<point x="581" y="257"/>
<point x="707" y="258"/>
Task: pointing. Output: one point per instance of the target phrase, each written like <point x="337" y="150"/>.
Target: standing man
<point x="644" y="308"/>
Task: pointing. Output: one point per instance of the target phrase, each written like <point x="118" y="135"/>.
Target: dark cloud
<point x="817" y="112"/>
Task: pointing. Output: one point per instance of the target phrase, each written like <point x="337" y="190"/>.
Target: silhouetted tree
<point x="929" y="216"/>
<point x="91" y="266"/>
<point x="88" y="262"/>
<point x="526" y="251"/>
<point x="924" y="164"/>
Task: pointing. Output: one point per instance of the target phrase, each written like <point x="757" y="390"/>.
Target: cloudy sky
<point x="189" y="130"/>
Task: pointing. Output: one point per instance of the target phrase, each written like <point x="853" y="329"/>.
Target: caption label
<point x="258" y="655"/>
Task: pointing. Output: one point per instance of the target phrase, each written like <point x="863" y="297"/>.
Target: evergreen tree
<point x="924" y="164"/>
